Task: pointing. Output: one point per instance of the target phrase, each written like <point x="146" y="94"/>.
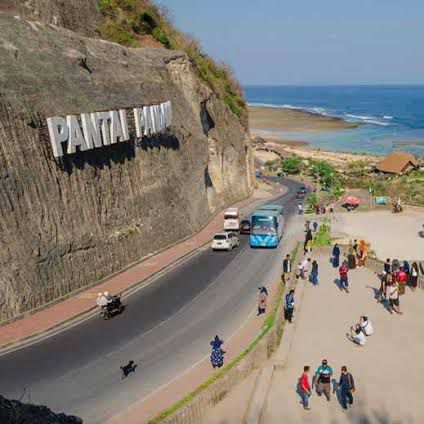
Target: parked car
<point x="303" y="189"/>
<point x="300" y="195"/>
<point x="225" y="241"/>
<point x="245" y="227"/>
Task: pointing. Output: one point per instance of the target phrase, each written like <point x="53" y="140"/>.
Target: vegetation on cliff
<point x="140" y="23"/>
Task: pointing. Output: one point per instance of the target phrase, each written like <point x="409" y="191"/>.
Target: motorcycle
<point x="397" y="209"/>
<point x="112" y="308"/>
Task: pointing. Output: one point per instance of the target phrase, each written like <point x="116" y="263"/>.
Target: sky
<point x="309" y="42"/>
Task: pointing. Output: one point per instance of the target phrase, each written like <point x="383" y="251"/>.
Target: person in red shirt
<point x="344" y="281"/>
<point x="402" y="279"/>
<point x="304" y="388"/>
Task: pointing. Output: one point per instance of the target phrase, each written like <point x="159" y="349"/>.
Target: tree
<point x="292" y="165"/>
<point x="325" y="173"/>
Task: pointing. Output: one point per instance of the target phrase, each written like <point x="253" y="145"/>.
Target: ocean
<point x="387" y="114"/>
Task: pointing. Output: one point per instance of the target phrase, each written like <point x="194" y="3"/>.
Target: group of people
<point x="322" y="381"/>
<point x="394" y="279"/>
<point x="356" y="255"/>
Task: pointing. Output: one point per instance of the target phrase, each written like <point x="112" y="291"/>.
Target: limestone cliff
<point x="66" y="223"/>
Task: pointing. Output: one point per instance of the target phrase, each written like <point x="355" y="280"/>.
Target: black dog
<point x="127" y="369"/>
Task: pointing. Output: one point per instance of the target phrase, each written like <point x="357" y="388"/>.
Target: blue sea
<point x="388" y="114"/>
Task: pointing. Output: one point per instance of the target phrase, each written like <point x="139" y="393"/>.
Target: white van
<point x="232" y="220"/>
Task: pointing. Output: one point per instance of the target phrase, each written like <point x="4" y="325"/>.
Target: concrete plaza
<point x="388" y="370"/>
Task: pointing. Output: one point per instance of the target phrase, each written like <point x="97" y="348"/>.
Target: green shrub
<point x="124" y="20"/>
<point x="323" y="237"/>
<point x="292" y="165"/>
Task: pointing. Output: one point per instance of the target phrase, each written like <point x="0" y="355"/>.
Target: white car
<point x="225" y="241"/>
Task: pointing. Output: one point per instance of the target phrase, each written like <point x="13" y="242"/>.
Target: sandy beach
<point x="268" y="119"/>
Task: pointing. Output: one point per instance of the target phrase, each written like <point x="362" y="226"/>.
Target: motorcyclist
<point x="101" y="300"/>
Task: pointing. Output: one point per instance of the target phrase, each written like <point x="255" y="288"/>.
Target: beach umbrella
<point x="352" y="200"/>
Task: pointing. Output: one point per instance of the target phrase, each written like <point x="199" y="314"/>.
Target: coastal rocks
<point x="67" y="222"/>
<point x="15" y="412"/>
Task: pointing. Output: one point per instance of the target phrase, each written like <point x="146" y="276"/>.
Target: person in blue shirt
<point x="347" y="387"/>
<point x="289" y="306"/>
<point x="322" y="379"/>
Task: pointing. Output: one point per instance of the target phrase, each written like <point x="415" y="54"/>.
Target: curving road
<point x="165" y="329"/>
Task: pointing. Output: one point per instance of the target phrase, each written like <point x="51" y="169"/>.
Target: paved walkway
<point x="404" y="230"/>
<point x="388" y="370"/>
<point x="59" y="314"/>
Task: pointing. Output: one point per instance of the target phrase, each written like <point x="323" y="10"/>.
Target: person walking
<point x="347" y="387"/>
<point x="393" y="290"/>
<point x="308" y="246"/>
<point x="344" y="279"/>
<point x="300" y="209"/>
<point x="287" y="269"/>
<point x="289" y="306"/>
<point x="308" y="238"/>
<point x="414" y="276"/>
<point x="313" y="277"/>
<point x="322" y="379"/>
<point x="336" y="256"/>
<point x="304" y="388"/>
<point x="315" y="225"/>
<point x="262" y="298"/>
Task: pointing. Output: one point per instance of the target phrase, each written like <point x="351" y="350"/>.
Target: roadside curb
<point x="89" y="313"/>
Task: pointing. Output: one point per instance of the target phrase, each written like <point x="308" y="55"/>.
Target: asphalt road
<point x="165" y="329"/>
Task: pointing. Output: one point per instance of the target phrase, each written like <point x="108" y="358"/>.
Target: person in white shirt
<point x="101" y="300"/>
<point x="303" y="268"/>
<point x="366" y="326"/>
<point x="356" y="335"/>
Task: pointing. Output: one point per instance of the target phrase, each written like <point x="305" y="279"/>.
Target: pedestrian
<point x="304" y="388"/>
<point x="344" y="279"/>
<point x="402" y="279"/>
<point x="395" y="265"/>
<point x="347" y="387"/>
<point x="393" y="291"/>
<point x="351" y="257"/>
<point x="317" y="209"/>
<point x="414" y="275"/>
<point x="308" y="247"/>
<point x="287" y="269"/>
<point x="262" y="298"/>
<point x="300" y="209"/>
<point x="366" y="325"/>
<point x="304" y="267"/>
<point x="289" y="306"/>
<point x="406" y="267"/>
<point x="356" y="335"/>
<point x="336" y="256"/>
<point x="322" y="379"/>
<point x="363" y="253"/>
<point x="355" y="246"/>
<point x="313" y="277"/>
<point x="315" y="224"/>
<point x="387" y="266"/>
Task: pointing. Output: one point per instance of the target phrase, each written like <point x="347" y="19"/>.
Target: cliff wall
<point x="66" y="223"/>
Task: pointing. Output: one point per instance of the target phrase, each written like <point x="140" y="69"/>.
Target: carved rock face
<point x="68" y="222"/>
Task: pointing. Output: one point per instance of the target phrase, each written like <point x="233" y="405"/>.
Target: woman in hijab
<point x="217" y="354"/>
<point x="351" y="257"/>
<point x="336" y="256"/>
<point x="363" y="253"/>
<point x="313" y="278"/>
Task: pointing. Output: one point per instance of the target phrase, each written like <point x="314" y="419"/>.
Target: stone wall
<point x="66" y="223"/>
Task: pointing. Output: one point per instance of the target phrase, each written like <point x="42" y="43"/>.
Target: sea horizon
<point x="391" y="116"/>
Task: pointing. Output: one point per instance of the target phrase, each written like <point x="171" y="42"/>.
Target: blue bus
<point x="276" y="208"/>
<point x="266" y="228"/>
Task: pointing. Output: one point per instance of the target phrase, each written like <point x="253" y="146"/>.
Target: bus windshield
<point x="264" y="225"/>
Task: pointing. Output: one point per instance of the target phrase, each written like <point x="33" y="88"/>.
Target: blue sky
<point x="310" y="41"/>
